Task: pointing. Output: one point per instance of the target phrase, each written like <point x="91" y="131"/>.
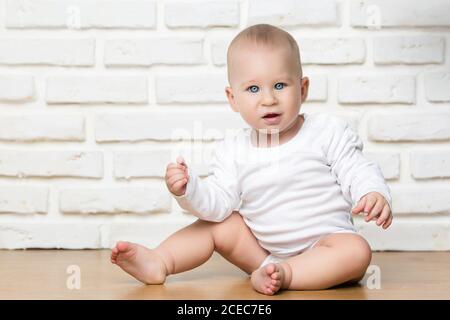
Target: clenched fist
<point x="177" y="177"/>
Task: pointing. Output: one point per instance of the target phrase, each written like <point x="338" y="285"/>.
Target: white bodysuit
<point x="292" y="194"/>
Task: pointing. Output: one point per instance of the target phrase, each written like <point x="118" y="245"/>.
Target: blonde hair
<point x="265" y="35"/>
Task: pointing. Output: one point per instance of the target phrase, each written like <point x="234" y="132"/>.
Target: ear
<point x="230" y="97"/>
<point x="304" y="84"/>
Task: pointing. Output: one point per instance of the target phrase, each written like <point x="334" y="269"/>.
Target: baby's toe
<point x="122" y="246"/>
<point x="270" y="269"/>
<point x="269" y="292"/>
<point x="272" y="290"/>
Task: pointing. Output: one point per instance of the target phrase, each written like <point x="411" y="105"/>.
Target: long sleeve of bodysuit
<point x="356" y="175"/>
<point x="215" y="197"/>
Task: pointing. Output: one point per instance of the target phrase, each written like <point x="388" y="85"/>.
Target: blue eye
<point x="279" y="85"/>
<point x="253" y="89"/>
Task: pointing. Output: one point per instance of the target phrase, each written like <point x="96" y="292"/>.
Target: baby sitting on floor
<point x="279" y="201"/>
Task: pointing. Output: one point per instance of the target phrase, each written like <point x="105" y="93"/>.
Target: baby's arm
<point x="361" y="180"/>
<point x="213" y="198"/>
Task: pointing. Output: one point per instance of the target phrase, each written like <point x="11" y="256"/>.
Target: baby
<point x="286" y="220"/>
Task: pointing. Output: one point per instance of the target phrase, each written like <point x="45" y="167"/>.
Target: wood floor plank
<point x="42" y="274"/>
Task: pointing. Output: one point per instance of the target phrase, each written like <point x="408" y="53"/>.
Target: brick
<point x="408" y="50"/>
<point x="141" y="164"/>
<point x="115" y="200"/>
<point x="219" y="48"/>
<point x="153" y="126"/>
<point x="294" y="13"/>
<point x="400" y="13"/>
<point x="97" y="89"/>
<point x="53" y="52"/>
<point x="145" y="164"/>
<point x="430" y="164"/>
<point x="418" y="126"/>
<point x="139" y="232"/>
<point x="332" y="50"/>
<point x="23" y="199"/>
<point x="437" y="86"/>
<point x="389" y="163"/>
<point x="51" y="164"/>
<point x="377" y="89"/>
<point x="16" y="88"/>
<point x="84" y="14"/>
<point x="408" y="234"/>
<point x="146" y="52"/>
<point x="208" y="88"/>
<point x="202" y="14"/>
<point x="50" y="235"/>
<point x="318" y="88"/>
<point x="425" y="200"/>
<point x="27" y="128"/>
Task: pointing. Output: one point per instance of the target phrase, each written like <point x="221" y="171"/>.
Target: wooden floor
<point x="42" y="274"/>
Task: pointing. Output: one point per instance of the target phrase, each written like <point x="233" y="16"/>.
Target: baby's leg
<point x="194" y="245"/>
<point x="191" y="247"/>
<point x="336" y="258"/>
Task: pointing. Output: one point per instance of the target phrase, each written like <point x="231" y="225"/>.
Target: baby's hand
<point x="374" y="205"/>
<point x="177" y="177"/>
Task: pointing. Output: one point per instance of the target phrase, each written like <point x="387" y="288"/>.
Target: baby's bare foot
<point x="142" y="263"/>
<point x="268" y="279"/>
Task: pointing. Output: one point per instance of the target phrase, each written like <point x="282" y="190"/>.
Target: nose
<point x="268" y="98"/>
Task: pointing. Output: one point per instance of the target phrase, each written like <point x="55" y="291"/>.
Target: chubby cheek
<point x="292" y="96"/>
<point x="248" y="109"/>
<point x="291" y="103"/>
<point x="250" y="116"/>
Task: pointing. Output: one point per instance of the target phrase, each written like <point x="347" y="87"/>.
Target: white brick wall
<point x="96" y="89"/>
<point x="377" y="89"/>
<point x="96" y="97"/>
<point x="51" y="163"/>
<point x="402" y="13"/>
<point x="294" y="13"/>
<point x="202" y="13"/>
<point x="17" y="88"/>
<point x="150" y="51"/>
<point x="85" y="14"/>
<point x="41" y="126"/>
<point x="42" y="51"/>
<point x="408" y="50"/>
<point x="114" y="200"/>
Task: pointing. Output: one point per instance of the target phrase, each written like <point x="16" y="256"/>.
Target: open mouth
<point x="271" y="115"/>
<point x="272" y="118"/>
